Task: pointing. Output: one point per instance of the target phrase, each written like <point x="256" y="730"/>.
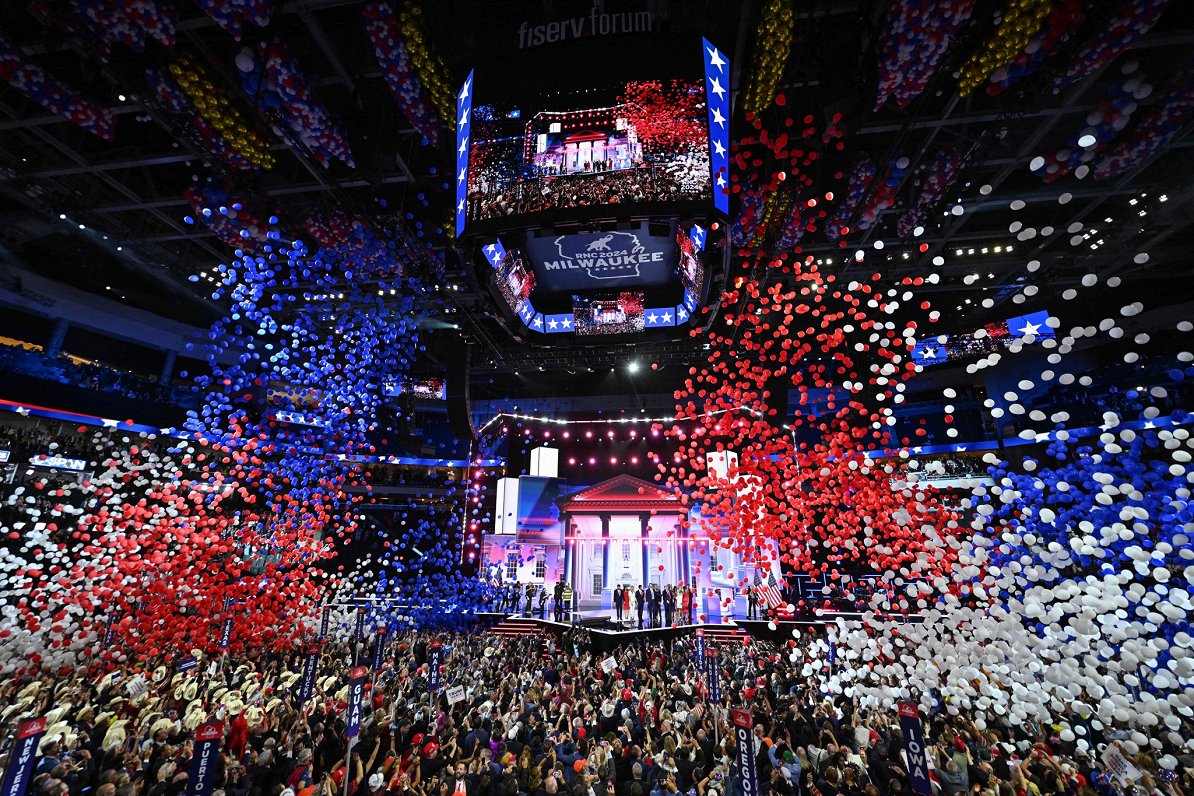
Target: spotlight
<point x="632" y="367"/>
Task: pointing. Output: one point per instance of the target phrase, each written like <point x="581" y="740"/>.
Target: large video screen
<point x="609" y="313"/>
<point x="616" y="127"/>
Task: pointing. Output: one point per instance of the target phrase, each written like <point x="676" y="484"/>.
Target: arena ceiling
<point x="108" y="217"/>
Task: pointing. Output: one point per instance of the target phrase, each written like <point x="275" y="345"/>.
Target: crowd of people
<point x="93" y="376"/>
<point x="538" y="716"/>
<point x="588" y="189"/>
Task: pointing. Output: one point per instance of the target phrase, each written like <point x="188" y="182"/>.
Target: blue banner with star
<point x="494" y="253"/>
<point x="717" y="98"/>
<point x="657" y="317"/>
<point x="464" y="112"/>
<point x="555" y="324"/>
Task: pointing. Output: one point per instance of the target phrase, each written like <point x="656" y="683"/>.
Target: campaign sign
<point x="358" y="632"/>
<point x="713" y="674"/>
<point x="310" y="669"/>
<point x="324" y="620"/>
<point x="356" y="693"/>
<point x="914" y="745"/>
<point x="748" y="774"/>
<point x="22" y="758"/>
<point x="205" y="758"/>
<point x="1118" y="766"/>
<point x="700" y="651"/>
<point x="455" y="694"/>
<point x="603" y="260"/>
<point x="188" y="663"/>
<point x="609" y="664"/>
<point x="226" y="634"/>
<point x="110" y="631"/>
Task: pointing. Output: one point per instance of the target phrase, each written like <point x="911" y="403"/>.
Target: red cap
<point x="626" y="695"/>
<point x="429" y="748"/>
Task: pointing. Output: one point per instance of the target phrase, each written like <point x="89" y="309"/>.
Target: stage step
<point x="724" y="634"/>
<point x="516" y="626"/>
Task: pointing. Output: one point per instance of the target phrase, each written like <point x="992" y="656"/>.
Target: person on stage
<point x="626" y="601"/>
<point x="669" y="605"/>
<point x="618" y="602"/>
<point x="639" y="598"/>
<point x="752" y="601"/>
<point x="543" y="601"/>
<point x="559" y="596"/>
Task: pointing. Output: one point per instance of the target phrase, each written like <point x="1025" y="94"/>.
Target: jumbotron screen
<point x="632" y="279"/>
<point x="619" y="129"/>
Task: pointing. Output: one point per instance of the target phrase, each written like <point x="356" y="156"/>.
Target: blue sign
<point x="464" y="112"/>
<point x="356" y="693"/>
<point x="698" y="235"/>
<point x="435" y="662"/>
<point x="700" y="652"/>
<point x="109" y="631"/>
<point x="558" y="323"/>
<point x="494" y="253"/>
<point x="205" y="759"/>
<point x="226" y="634"/>
<point x="310" y="669"/>
<point x="748" y="774"/>
<point x="603" y="260"/>
<point x="358" y="632"/>
<point x="914" y="746"/>
<point x="379" y="646"/>
<point x="324" y="620"/>
<point x="656" y="317"/>
<point x="717" y="98"/>
<point x="713" y="675"/>
<point x="22" y="758"/>
<point x="831" y="656"/>
<point x="188" y="663"/>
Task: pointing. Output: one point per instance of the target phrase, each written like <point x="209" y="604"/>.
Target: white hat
<point x="376" y="780"/>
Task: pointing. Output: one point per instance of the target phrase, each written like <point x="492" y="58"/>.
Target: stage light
<point x="571" y="460"/>
<point x="632" y="367"/>
<point x="588" y="435"/>
<point x="613" y="460"/>
<point x="592" y="460"/>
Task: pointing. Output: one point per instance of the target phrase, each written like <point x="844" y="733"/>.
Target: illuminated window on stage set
<point x="540" y="566"/>
<point x="598" y="584"/>
<point x="625" y="551"/>
<point x="512" y="566"/>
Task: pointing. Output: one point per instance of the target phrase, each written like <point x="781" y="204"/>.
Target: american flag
<point x="769" y="590"/>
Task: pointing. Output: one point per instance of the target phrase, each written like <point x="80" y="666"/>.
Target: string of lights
<point x="609" y="420"/>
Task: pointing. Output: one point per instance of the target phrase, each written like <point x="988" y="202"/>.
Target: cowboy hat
<point x="159" y="674"/>
<point x="115" y="736"/>
<point x="161" y="724"/>
<point x="193" y="719"/>
<point x="190" y="690"/>
<point x="254" y="714"/>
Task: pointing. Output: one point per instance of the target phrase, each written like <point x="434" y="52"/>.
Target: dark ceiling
<point x="109" y="217"/>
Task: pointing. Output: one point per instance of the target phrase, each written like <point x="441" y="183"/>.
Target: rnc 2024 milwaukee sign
<point x="602" y="260"/>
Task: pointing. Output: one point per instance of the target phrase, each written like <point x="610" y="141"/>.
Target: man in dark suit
<point x="559" y="595"/>
<point x="669" y="605"/>
<point x="653" y="604"/>
<point x="618" y="603"/>
<point x="639" y="598"/>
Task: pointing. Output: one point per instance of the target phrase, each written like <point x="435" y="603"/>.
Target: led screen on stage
<point x="614" y="126"/>
<point x="608" y="313"/>
<point x="603" y="260"/>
